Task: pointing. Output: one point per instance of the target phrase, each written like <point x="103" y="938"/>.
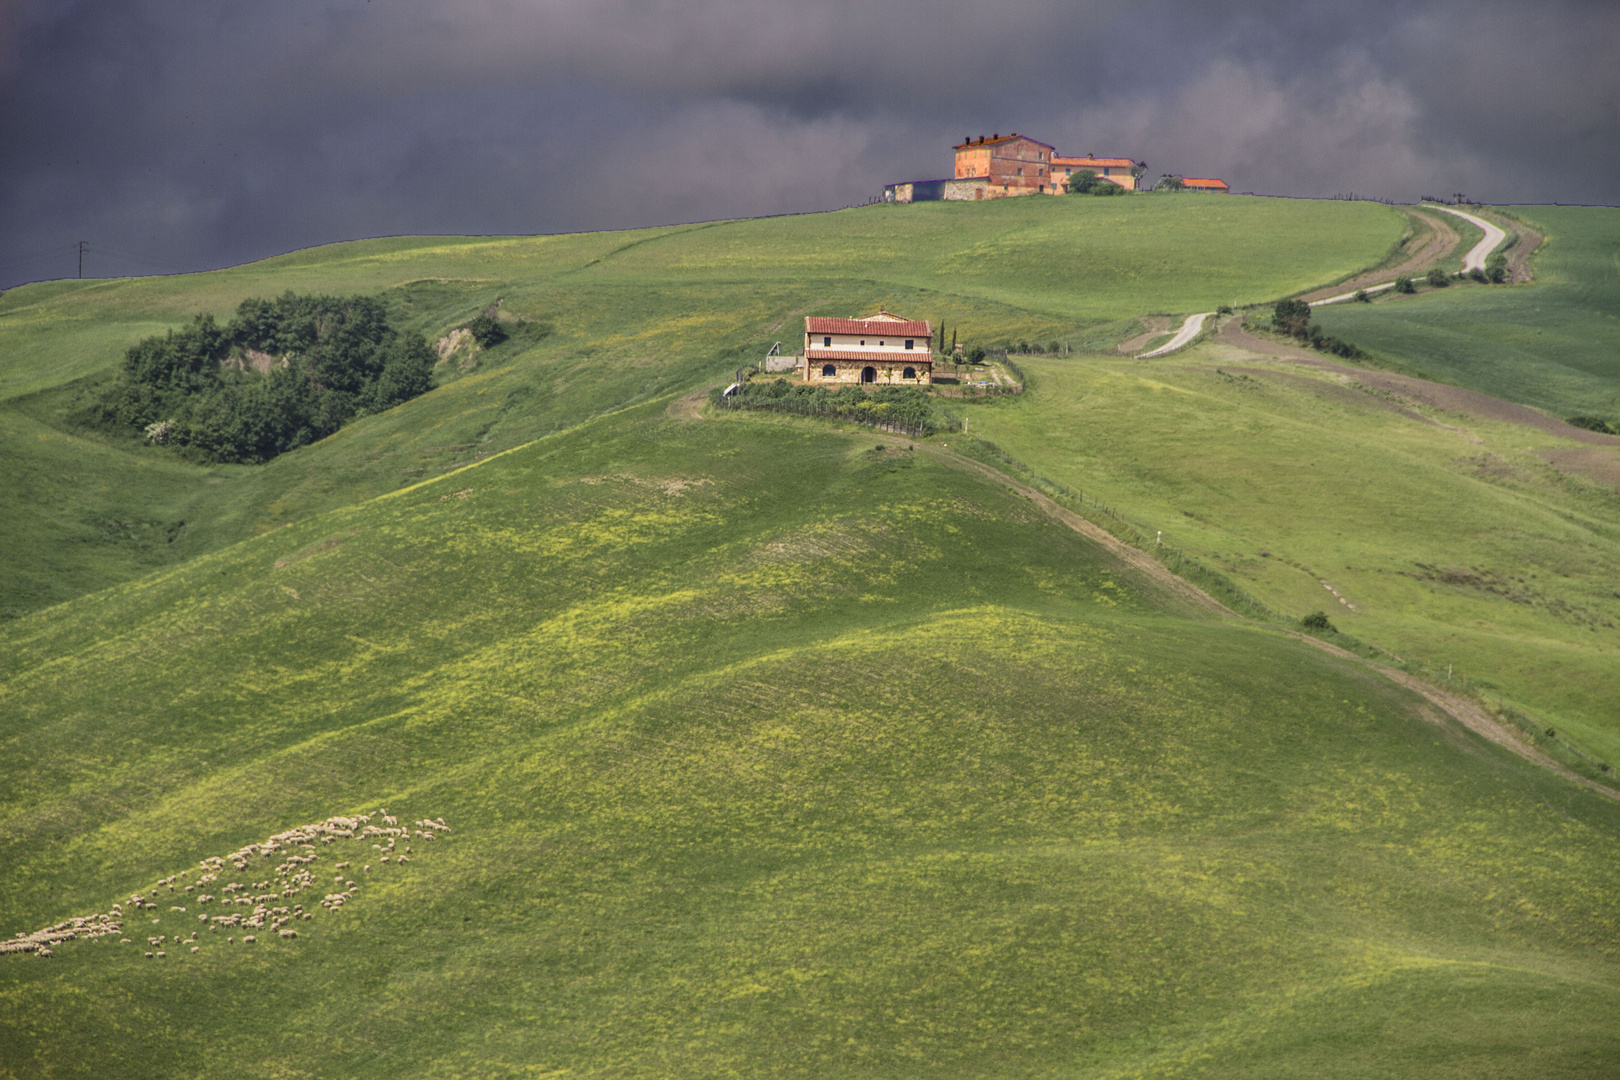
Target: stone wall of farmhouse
<point x="978" y="188"/>
<point x="889" y="373"/>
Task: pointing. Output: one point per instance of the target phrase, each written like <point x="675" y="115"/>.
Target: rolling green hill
<point x="772" y="746"/>
<point x="635" y="314"/>
<point x="1554" y="344"/>
<point x="770" y="751"/>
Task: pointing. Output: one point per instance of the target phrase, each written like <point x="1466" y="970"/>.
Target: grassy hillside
<point x="1554" y="343"/>
<point x="1454" y="539"/>
<point x="773" y="750"/>
<point x="635" y="313"/>
<point x="771" y="747"/>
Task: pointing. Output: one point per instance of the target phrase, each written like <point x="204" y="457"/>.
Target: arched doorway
<point x="868" y="374"/>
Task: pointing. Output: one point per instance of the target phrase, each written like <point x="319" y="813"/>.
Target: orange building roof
<point x="1088" y="162"/>
<point x="885" y="326"/>
<point x="1201" y="182"/>
<point x="995" y="140"/>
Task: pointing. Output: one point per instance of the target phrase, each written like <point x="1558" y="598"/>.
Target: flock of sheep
<point x="267" y="912"/>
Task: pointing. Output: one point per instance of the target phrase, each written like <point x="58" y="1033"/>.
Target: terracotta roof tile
<point x="1088" y="162"/>
<point x="885" y="328"/>
<point x="1195" y="181"/>
<point x="999" y="140"/>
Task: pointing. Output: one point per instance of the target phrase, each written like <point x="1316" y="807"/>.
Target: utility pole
<point x="81" y="258"/>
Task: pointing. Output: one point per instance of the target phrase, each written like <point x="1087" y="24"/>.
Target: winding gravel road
<point x="1475" y="259"/>
<point x="1188" y="331"/>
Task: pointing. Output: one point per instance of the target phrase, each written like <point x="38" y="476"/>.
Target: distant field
<point x="771" y="750"/>
<point x="637" y="315"/>
<point x="1554" y="343"/>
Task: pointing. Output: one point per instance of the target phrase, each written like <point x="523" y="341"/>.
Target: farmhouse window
<point x="827" y="342"/>
<point x="911" y="343"/>
<point x="863" y="341"/>
<point x="828" y="371"/>
<point x="909" y="373"/>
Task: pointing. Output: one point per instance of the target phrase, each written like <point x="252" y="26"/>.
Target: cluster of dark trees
<point x="282" y="373"/>
<point x="1293" y="317"/>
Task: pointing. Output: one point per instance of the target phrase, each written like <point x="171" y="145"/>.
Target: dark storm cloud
<point x="174" y="133"/>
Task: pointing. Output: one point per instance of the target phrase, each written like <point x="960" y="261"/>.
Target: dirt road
<point x="1430" y="243"/>
<point x="1475" y="259"/>
<point x="1467" y="712"/>
<point x="1436" y="395"/>
<point x="1189" y="330"/>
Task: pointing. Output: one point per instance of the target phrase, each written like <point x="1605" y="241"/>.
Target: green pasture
<point x="1457" y="542"/>
<point x="635" y="315"/>
<point x="1553" y="343"/>
<point x="772" y="749"/>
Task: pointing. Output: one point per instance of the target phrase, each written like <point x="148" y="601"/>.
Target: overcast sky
<point x="183" y="134"/>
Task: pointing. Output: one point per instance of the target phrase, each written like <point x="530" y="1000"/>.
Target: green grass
<point x="1457" y="543"/>
<point x="778" y="748"/>
<point x="1553" y="343"/>
<point x="636" y="313"/>
<point x="831" y="762"/>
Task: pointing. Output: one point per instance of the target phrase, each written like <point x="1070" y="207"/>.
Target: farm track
<point x="1441" y="239"/>
<point x="1436" y="395"/>
<point x="1191" y="328"/>
<point x="1467" y="712"/>
<point x="1494" y="236"/>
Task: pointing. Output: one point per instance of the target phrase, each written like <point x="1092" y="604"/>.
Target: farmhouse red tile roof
<point x="1194" y="181"/>
<point x="999" y="139"/>
<point x="1109" y="162"/>
<point x="884" y="328"/>
<point x="922" y="356"/>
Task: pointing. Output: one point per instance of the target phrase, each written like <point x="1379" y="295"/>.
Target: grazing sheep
<point x="149" y="956"/>
<point x="288" y="879"/>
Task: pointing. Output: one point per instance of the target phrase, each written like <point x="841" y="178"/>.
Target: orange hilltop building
<point x="1120" y="170"/>
<point x="886" y="349"/>
<point x="1000" y="166"/>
